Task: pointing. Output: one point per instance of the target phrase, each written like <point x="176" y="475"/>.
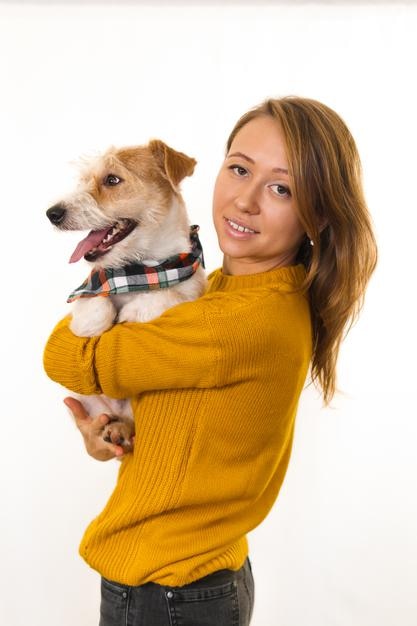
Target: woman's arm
<point x="176" y="350"/>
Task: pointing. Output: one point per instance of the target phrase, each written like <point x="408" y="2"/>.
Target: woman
<point x="215" y="383"/>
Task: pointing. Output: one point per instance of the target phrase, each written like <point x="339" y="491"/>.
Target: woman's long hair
<point x="326" y="174"/>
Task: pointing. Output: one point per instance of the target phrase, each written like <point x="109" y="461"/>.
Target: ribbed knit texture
<point x="215" y="385"/>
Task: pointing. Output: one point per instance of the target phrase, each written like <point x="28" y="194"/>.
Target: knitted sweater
<point x="215" y="385"/>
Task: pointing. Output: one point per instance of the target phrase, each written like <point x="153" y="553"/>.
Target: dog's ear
<point x="175" y="165"/>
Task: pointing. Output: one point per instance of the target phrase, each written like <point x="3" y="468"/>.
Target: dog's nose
<point x="56" y="213"/>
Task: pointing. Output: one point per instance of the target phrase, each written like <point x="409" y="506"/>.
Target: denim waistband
<point x="220" y="577"/>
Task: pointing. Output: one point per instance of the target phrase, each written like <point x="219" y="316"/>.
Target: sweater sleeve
<point x="176" y="350"/>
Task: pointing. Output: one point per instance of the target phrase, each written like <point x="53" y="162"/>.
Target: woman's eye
<point x="238" y="170"/>
<point x="281" y="190"/>
<point x="111" y="180"/>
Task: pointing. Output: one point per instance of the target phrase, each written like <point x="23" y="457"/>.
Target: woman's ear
<point x="175" y="165"/>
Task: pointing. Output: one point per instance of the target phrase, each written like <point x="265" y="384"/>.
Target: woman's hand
<point x="91" y="429"/>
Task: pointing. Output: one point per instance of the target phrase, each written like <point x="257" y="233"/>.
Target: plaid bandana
<point x="143" y="276"/>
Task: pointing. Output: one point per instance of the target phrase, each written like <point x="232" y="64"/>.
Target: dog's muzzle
<point x="56" y="214"/>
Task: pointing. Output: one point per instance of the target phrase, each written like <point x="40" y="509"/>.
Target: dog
<point x="129" y="200"/>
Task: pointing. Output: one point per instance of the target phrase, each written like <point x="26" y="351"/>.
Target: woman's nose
<point x="247" y="200"/>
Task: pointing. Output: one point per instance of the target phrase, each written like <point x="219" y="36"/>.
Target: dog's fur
<point x="136" y="187"/>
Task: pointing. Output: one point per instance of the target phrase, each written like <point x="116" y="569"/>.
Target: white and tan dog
<point x="130" y="201"/>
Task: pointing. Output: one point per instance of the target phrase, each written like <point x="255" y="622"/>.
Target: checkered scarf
<point x="143" y="276"/>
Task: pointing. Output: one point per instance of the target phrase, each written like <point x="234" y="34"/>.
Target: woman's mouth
<point x="238" y="229"/>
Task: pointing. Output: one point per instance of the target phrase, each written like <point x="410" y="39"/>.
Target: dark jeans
<point x="224" y="598"/>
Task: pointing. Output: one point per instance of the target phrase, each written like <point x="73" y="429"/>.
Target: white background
<point x="340" y="546"/>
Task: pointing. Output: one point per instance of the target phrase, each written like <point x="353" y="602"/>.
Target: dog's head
<point x="129" y="200"/>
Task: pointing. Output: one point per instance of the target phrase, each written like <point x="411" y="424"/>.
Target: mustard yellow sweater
<point x="215" y="385"/>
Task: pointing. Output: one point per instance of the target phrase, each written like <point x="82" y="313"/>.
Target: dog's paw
<point x="119" y="432"/>
<point x="92" y="316"/>
<point x="147" y="306"/>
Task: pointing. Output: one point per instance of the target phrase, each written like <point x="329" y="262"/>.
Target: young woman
<point x="215" y="383"/>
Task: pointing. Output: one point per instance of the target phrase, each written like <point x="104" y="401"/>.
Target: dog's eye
<point x="111" y="180"/>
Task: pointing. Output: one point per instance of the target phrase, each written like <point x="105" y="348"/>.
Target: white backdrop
<point x="340" y="546"/>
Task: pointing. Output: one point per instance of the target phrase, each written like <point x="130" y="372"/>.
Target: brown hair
<point x="327" y="188"/>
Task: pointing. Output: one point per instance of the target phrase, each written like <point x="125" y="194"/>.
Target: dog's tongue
<point x="93" y="239"/>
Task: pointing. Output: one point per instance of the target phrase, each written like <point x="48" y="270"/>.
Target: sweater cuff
<point x="69" y="360"/>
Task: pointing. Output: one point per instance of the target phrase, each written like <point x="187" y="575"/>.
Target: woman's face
<point x="253" y="210"/>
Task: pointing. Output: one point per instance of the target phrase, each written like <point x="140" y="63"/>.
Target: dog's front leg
<point x="92" y="316"/>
